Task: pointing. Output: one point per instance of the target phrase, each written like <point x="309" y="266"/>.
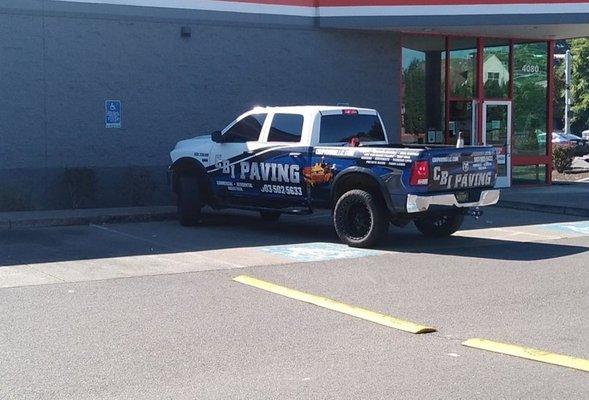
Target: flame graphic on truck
<point x="319" y="174"/>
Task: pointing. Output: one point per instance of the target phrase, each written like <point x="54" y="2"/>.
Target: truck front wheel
<point x="360" y="218"/>
<point x="439" y="225"/>
<point x="189" y="200"/>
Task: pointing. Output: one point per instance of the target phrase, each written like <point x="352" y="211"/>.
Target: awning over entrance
<point x="523" y="19"/>
<point x="557" y="19"/>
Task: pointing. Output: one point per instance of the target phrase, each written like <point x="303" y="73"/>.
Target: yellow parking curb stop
<point x="333" y="305"/>
<point x="529" y="353"/>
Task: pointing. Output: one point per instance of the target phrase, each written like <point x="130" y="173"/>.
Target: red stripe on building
<point x="359" y="3"/>
<point x="333" y="3"/>
<point x="301" y="3"/>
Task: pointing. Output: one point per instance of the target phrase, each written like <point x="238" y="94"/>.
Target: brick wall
<point x="58" y="68"/>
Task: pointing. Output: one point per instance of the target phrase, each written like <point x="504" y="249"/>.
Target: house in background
<point x="496" y="71"/>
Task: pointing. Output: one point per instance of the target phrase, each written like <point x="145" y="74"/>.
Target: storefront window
<point x="512" y="73"/>
<point x="496" y="70"/>
<point x="423" y="89"/>
<point x="461" y="121"/>
<point x="463" y="67"/>
<point x="529" y="102"/>
<point x="529" y="174"/>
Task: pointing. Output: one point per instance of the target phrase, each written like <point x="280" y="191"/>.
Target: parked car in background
<point x="581" y="145"/>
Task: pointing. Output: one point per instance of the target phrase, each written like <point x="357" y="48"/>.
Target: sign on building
<point x="112" y="113"/>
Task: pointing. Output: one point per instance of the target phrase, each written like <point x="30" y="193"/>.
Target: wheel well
<point x="356" y="180"/>
<point x="191" y="167"/>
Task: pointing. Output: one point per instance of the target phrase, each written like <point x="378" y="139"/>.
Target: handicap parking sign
<point x="112" y="113"/>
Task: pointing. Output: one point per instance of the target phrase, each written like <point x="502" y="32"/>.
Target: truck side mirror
<point x="217" y="137"/>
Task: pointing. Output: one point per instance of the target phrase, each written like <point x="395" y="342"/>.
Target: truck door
<point x="282" y="164"/>
<point x="229" y="175"/>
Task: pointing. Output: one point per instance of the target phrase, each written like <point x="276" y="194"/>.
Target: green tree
<point x="580" y="84"/>
<point x="559" y="88"/>
<point x="562" y="46"/>
<point x="530" y="90"/>
<point x="414" y="78"/>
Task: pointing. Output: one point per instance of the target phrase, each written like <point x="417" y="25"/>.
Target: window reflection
<point x="461" y="121"/>
<point x="424" y="118"/>
<point x="529" y="174"/>
<point x="463" y="67"/>
<point x="496" y="71"/>
<point x="530" y="93"/>
<point x="423" y="94"/>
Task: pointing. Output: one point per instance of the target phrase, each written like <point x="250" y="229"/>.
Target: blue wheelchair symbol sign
<point x="112" y="113"/>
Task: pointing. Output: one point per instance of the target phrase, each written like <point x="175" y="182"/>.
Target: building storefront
<point x="486" y="90"/>
<point x="482" y="70"/>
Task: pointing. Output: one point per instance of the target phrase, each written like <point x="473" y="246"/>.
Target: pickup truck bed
<point x="466" y="172"/>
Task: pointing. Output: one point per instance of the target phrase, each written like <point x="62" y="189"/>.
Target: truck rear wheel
<point x="439" y="225"/>
<point x="189" y="200"/>
<point x="360" y="218"/>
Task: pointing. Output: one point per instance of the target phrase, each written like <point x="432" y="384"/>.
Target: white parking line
<point x="152" y="242"/>
<point x="513" y="232"/>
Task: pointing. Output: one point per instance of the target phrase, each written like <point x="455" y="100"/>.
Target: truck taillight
<point x="420" y="173"/>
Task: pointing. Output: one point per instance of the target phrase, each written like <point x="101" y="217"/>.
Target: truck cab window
<point x="286" y="128"/>
<point x="342" y="128"/>
<point x="246" y="130"/>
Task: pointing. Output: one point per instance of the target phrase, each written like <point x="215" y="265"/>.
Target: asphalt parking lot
<point x="151" y="310"/>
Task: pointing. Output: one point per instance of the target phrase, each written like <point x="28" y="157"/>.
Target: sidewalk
<point x="568" y="199"/>
<point x="10" y="220"/>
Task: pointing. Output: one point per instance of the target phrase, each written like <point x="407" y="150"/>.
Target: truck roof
<point x="311" y="108"/>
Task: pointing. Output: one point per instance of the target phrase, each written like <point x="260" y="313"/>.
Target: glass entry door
<point x="497" y="133"/>
<point x="462" y="121"/>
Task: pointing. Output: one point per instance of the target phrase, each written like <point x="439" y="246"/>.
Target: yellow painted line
<point x="529" y="353"/>
<point x="333" y="305"/>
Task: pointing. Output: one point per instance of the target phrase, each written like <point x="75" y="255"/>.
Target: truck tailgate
<point x="454" y="169"/>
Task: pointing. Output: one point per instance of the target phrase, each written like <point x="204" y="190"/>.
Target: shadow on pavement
<point x="498" y="217"/>
<point x="494" y="249"/>
<point x="239" y="230"/>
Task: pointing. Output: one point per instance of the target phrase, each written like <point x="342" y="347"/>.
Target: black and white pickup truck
<point x="294" y="160"/>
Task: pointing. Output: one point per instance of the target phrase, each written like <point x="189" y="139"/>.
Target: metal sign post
<point x="568" y="65"/>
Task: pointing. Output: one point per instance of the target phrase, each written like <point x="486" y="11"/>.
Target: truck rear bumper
<point x="417" y="203"/>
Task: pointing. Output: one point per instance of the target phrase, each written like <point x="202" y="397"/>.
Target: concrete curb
<point x="544" y="208"/>
<point x="36" y="219"/>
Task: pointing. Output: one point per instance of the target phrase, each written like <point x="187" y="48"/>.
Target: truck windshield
<point x="341" y="128"/>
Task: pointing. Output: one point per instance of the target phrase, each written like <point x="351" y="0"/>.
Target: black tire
<point x="270" y="216"/>
<point x="439" y="225"/>
<point x="360" y="218"/>
<point x="189" y="200"/>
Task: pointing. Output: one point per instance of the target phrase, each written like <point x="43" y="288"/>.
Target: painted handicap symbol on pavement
<point x="307" y="252"/>
<point x="580" y="228"/>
